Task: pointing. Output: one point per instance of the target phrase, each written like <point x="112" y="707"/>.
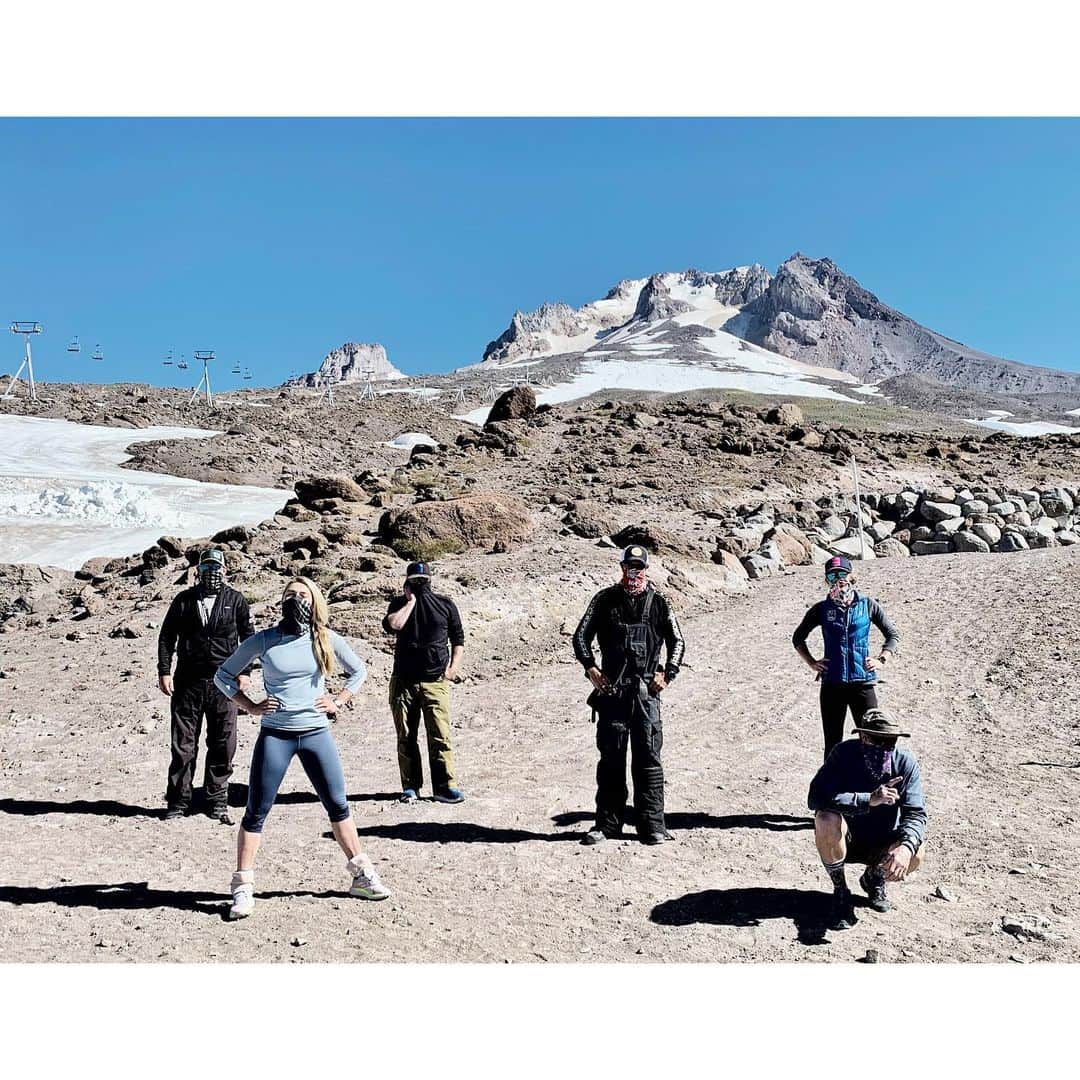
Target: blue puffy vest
<point x="846" y="632"/>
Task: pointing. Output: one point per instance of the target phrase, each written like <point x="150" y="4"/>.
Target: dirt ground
<point x="89" y="872"/>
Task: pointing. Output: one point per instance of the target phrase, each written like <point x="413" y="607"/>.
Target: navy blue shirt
<point x="844" y="785"/>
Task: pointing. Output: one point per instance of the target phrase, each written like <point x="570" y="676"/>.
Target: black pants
<point x="836" y="699"/>
<point x="191" y="701"/>
<point x="629" y="719"/>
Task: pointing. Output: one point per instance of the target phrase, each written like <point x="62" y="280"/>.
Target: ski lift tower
<point x="327" y="390"/>
<point x="27" y="329"/>
<point x="459" y="396"/>
<point x="205" y="355"/>
<point x="367" y="393"/>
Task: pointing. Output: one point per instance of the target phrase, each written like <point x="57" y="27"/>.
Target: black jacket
<point x="201" y="650"/>
<point x="606" y="617"/>
<point x="420" y="652"/>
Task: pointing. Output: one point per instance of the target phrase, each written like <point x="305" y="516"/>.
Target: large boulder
<point x="968" y="541"/>
<point x="933" y="511"/>
<point x="832" y="527"/>
<point x="765" y="562"/>
<point x="794" y="547"/>
<point x="1056" y="501"/>
<point x="517" y="403"/>
<point x="741" y="540"/>
<point x="891" y="548"/>
<point x="1011" y="541"/>
<point x="430" y="529"/>
<point x="849" y="546"/>
<point x="931" y="547"/>
<point x="315" y="488"/>
<point x="986" y="531"/>
<point x="648" y="537"/>
<point x="589" y="519"/>
<point x="786" y="415"/>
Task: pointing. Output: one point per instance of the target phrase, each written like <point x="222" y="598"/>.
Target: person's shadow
<point x="678" y="820"/>
<point x="136" y="896"/>
<point x="809" y="911"/>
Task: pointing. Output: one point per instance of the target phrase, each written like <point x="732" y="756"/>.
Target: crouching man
<point x="868" y="808"/>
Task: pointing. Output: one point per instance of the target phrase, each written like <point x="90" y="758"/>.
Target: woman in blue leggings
<point x="296" y="655"/>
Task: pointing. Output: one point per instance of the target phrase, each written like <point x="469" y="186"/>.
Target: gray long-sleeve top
<point x="844" y="784"/>
<point x="290" y="674"/>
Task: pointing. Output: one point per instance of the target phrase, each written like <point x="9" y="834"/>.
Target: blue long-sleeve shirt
<point x="290" y="674"/>
<point x="844" y="784"/>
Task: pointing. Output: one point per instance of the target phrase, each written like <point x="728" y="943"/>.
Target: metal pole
<point x="858" y="509"/>
<point x="209" y="392"/>
<point x="30" y="370"/>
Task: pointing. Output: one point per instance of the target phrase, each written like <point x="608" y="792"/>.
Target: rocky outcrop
<point x="529" y="332"/>
<point x="814" y="312"/>
<point x="353" y="362"/>
<point x="655" y="301"/>
<point x="517" y="403"/>
<point x="430" y="529"/>
<point x="742" y="285"/>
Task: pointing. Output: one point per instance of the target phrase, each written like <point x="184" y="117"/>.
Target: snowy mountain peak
<point x="353" y="362"/>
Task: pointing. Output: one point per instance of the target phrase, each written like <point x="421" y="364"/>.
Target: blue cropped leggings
<point x="274" y="751"/>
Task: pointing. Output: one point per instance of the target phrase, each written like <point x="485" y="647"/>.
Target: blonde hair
<point x="320" y="633"/>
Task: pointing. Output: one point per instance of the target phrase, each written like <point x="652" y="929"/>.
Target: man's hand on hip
<point x="598" y="679"/>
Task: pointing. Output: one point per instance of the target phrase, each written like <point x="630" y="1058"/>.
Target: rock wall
<point x="764" y="539"/>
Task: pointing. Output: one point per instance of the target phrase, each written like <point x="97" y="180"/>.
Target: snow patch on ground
<point x="1028" y="429"/>
<point x="408" y="439"/>
<point x="64" y="498"/>
<point x="669" y="377"/>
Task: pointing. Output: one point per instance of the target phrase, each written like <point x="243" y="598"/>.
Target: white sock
<point x="359" y="864"/>
<point x="243" y="877"/>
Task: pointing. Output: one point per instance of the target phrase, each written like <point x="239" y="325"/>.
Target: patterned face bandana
<point x="879" y="760"/>
<point x="842" y="592"/>
<point x="634" y="579"/>
<point x="211" y="578"/>
<point x="295" y="614"/>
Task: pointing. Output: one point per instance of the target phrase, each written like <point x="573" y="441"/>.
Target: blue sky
<point x="272" y="241"/>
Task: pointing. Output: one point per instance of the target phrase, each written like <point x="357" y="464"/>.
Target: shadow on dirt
<point x="457" y="832"/>
<point x="112" y="808"/>
<point x="693" y="820"/>
<point x="138" y="896"/>
<point x="809" y="911"/>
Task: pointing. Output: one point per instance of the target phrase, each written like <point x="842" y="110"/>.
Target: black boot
<point x="872" y="883"/>
<point x="842" y="912"/>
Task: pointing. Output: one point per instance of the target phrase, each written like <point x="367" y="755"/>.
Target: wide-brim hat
<point x="878" y="722"/>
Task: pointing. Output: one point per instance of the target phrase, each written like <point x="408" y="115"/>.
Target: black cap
<point x="417" y="569"/>
<point x="635" y="553"/>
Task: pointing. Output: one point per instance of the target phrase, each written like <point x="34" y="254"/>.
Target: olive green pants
<point x="408" y="702"/>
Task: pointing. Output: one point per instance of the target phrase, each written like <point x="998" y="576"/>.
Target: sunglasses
<point x="634" y="566"/>
<point x="836" y="575"/>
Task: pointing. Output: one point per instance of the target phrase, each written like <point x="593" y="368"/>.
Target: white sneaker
<point x="243" y="894"/>
<point x="366" y="884"/>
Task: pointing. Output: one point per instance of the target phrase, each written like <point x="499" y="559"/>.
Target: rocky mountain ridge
<point x="352" y="362"/>
<point x="809" y="311"/>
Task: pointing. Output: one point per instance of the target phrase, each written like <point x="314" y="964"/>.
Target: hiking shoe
<point x="656" y="837"/>
<point x="842" y="911"/>
<point x="366" y="884"/>
<point x="219" y="813"/>
<point x="450" y="794"/>
<point x="243" y="894"/>
<point x="874" y="887"/>
<point x="174" y="813"/>
<point x="409" y="795"/>
<point x="598" y="836"/>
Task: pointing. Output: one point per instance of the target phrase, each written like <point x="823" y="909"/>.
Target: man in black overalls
<point x="632" y="622"/>
<point x="203" y="626"/>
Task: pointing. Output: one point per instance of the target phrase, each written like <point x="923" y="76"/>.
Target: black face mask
<point x="211" y="580"/>
<point x="295" y="614"/>
<point x="419" y="586"/>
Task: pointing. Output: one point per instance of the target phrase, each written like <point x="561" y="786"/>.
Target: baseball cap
<point x="213" y="556"/>
<point x="417" y="569"/>
<point x="838" y="564"/>
<point x="635" y="553"/>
